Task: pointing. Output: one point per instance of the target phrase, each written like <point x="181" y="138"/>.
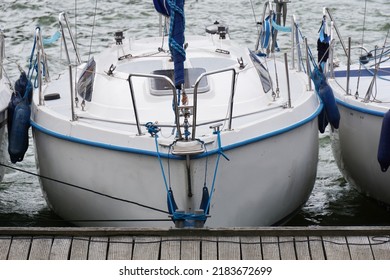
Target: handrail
<point x="176" y="109"/>
<point x="2" y="52"/>
<point x="195" y="101"/>
<point x="175" y="100"/>
<point x="41" y="60"/>
<point x="67" y="26"/>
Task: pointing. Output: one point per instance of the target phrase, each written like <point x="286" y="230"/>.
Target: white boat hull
<point x="251" y="142"/>
<point x="355" y="143"/>
<point x="355" y="147"/>
<point x="252" y="189"/>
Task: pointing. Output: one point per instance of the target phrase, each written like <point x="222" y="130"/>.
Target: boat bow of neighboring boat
<point x="361" y="143"/>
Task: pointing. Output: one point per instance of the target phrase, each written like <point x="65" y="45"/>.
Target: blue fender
<point x="331" y="110"/>
<point x="18" y="120"/>
<point x="15" y="100"/>
<point x="384" y="143"/>
<point x="322" y="120"/>
<point x="330" y="113"/>
<point x="18" y="135"/>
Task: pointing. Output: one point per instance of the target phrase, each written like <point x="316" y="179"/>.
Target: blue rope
<point x="164" y="177"/>
<point x="220" y="153"/>
<point x="153" y="130"/>
<point x="33" y="67"/>
<point x="311" y="56"/>
<point x="175" y="215"/>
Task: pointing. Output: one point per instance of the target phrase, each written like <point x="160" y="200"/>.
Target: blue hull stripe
<point x="170" y="156"/>
<point x="362" y="73"/>
<point x="359" y="109"/>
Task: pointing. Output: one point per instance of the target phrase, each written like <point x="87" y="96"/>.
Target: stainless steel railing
<point x="176" y="107"/>
<point x="43" y="70"/>
<point x="195" y="101"/>
<point x="177" y="120"/>
<point x="64" y="25"/>
<point x="2" y="53"/>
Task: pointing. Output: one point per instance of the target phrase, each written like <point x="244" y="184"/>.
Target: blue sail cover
<point x="175" y="9"/>
<point x="162" y="6"/>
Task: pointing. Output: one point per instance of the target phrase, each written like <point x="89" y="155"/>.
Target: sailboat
<point x="184" y="131"/>
<point x="361" y="144"/>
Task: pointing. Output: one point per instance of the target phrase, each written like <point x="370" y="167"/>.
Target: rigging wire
<point x="75" y="24"/>
<point x="361" y="50"/>
<point x="254" y="15"/>
<point x="93" y="29"/>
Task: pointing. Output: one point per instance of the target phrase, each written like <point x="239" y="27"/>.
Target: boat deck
<point x="269" y="243"/>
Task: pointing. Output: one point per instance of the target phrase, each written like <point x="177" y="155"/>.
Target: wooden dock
<point x="269" y="243"/>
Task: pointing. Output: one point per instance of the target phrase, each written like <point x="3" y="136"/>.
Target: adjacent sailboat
<point x="361" y="143"/>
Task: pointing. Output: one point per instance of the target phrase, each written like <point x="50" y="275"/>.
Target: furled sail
<point x="175" y="10"/>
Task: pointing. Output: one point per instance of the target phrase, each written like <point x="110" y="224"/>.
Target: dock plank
<point x="79" y="248"/>
<point x="60" y="248"/>
<point x="229" y="248"/>
<point x="316" y="247"/>
<point x="287" y="249"/>
<point x="251" y="248"/>
<point x="146" y="248"/>
<point x="209" y="248"/>
<point x="302" y="248"/>
<point x="170" y="248"/>
<point x="380" y="247"/>
<point x="98" y="248"/>
<point x="40" y="248"/>
<point x="190" y="248"/>
<point x="336" y="248"/>
<point x="360" y="248"/>
<point x="20" y="248"/>
<point x="270" y="245"/>
<point x="120" y="248"/>
<point x="5" y="243"/>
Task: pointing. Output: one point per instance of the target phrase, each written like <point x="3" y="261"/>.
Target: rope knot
<point x="152" y="127"/>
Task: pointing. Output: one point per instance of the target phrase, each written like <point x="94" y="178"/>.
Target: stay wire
<point x="254" y="16"/>
<point x="361" y="50"/>
<point x="93" y="29"/>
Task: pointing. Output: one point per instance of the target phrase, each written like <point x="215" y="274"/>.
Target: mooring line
<point x="85" y="189"/>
